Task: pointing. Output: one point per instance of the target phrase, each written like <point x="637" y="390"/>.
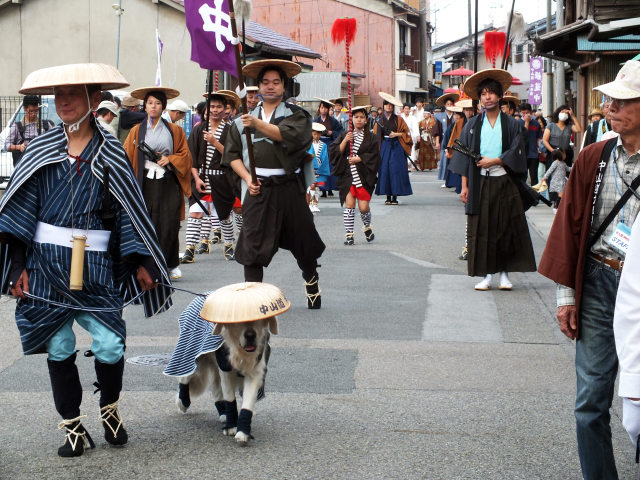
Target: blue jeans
<point x="106" y="345"/>
<point x="596" y="369"/>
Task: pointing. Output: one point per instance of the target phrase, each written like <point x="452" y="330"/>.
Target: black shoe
<point x="368" y="234"/>
<point x="330" y="194"/>
<point x="203" y="247"/>
<point x="228" y="252"/>
<point x="314" y="301"/>
<point x="217" y="236"/>
<point x="323" y="195"/>
<point x="187" y="256"/>
<point x="348" y="239"/>
<point x="114" y="432"/>
<point x="77" y="438"/>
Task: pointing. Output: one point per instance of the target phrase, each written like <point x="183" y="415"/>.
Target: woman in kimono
<point x="357" y="173"/>
<point x="321" y="166"/>
<point x="394" y="139"/>
<point x="166" y="180"/>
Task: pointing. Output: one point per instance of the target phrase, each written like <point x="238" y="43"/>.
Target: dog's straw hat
<point x="291" y="69"/>
<point x="244" y="302"/>
<point x="42" y="82"/>
<point x="442" y="99"/>
<point x="140" y="93"/>
<point x="390" y="99"/>
<point x="501" y="76"/>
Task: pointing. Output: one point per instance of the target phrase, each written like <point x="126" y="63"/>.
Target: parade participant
<point x="165" y="181"/>
<point x="429" y="142"/>
<point x="275" y="209"/>
<point x="394" y="139"/>
<point x="340" y="112"/>
<point x="129" y="116"/>
<point x="357" y="173"/>
<point x="176" y="111"/>
<point x="105" y="114"/>
<point x="409" y="118"/>
<point x="373" y="116"/>
<point x="218" y="186"/>
<point x="75" y="184"/>
<point x="534" y="134"/>
<point x="452" y="179"/>
<point x="332" y="126"/>
<point x="252" y="97"/>
<point x="558" y="133"/>
<point x="585" y="260"/>
<point x="445" y="119"/>
<point x="497" y="235"/>
<point x="419" y="113"/>
<point x="321" y="166"/>
<point x="22" y="132"/>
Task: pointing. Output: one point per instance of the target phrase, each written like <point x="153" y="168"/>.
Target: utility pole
<point x="425" y="45"/>
<point x="559" y="76"/>
<point x="119" y="11"/>
<point x="547" y="86"/>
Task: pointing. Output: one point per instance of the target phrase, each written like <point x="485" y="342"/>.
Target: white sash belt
<point x="269" y="172"/>
<point x="153" y="170"/>
<point x="97" y="240"/>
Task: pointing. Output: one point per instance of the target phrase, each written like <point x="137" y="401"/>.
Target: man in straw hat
<point x="584" y="258"/>
<point x="275" y="209"/>
<point x="75" y="183"/>
<point x="394" y="138"/>
<point x="166" y="178"/>
<point x="497" y="235"/>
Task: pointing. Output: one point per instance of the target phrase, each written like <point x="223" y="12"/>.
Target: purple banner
<point x="209" y="24"/>
<point x="536" y="66"/>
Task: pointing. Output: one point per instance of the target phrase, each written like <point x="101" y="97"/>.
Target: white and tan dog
<point x="239" y="365"/>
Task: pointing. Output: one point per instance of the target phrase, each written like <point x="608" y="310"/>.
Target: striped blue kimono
<point x="46" y="187"/>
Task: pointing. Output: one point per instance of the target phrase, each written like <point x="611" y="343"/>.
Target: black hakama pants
<point x="163" y="199"/>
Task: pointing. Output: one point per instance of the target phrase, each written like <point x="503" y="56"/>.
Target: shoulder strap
<point x="21" y="129"/>
<point x="618" y="206"/>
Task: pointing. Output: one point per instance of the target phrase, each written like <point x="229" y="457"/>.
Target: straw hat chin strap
<point x="74" y="127"/>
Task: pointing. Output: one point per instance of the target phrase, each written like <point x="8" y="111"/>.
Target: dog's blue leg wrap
<point x="244" y="421"/>
<point x="232" y="414"/>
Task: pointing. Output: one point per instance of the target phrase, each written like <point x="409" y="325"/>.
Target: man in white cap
<point x="75" y="185"/>
<point x="105" y="114"/>
<point x="176" y="111"/>
<point x="585" y="253"/>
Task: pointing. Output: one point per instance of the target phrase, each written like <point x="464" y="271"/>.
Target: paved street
<point x="405" y="373"/>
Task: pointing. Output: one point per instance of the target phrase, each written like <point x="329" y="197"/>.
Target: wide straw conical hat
<point x="390" y="98"/>
<point x="442" y="99"/>
<point x="501" y="76"/>
<point x="318" y="127"/>
<point x="465" y="103"/>
<point x="364" y="108"/>
<point x="230" y="96"/>
<point x="244" y="302"/>
<point x="291" y="69"/>
<point x="140" y="93"/>
<point x="325" y="101"/>
<point x="511" y="97"/>
<point x="43" y="81"/>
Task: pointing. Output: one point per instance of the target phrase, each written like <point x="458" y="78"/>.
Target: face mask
<point x="563" y="117"/>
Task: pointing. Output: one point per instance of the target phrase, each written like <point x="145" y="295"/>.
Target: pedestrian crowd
<point x="114" y="176"/>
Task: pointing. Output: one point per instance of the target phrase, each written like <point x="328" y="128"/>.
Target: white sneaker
<point x="175" y="273"/>
<point x="485" y="284"/>
<point x="444" y="185"/>
<point x="555" y="210"/>
<point x="505" y="284"/>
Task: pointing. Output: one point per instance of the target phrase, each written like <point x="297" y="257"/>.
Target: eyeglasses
<point x="618" y="102"/>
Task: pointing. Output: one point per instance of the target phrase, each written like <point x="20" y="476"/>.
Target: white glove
<point x="631" y="418"/>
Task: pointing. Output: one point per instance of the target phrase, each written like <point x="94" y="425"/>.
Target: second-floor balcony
<point x="409" y="63"/>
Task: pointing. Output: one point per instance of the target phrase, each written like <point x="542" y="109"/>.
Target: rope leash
<point x="72" y="306"/>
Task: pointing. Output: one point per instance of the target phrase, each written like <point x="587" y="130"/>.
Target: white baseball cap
<point x="179" y="105"/>
<point x="627" y="83"/>
<point x="111" y="106"/>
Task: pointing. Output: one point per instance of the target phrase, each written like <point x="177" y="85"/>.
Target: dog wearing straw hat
<point x="224" y="345"/>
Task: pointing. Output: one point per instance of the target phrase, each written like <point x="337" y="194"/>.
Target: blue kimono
<point x="321" y="165"/>
<point x="47" y="188"/>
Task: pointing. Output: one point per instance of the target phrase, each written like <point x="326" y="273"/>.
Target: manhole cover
<point x="155" y="360"/>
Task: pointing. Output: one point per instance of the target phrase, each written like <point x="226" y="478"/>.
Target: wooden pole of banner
<point x="243" y="91"/>
<point x="505" y="60"/>
<point x="206" y="108"/>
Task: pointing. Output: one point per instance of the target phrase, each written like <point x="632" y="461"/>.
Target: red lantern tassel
<point x="494" y="45"/>
<point x="343" y="30"/>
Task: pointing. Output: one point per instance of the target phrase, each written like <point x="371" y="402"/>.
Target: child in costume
<point x="321" y="166"/>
